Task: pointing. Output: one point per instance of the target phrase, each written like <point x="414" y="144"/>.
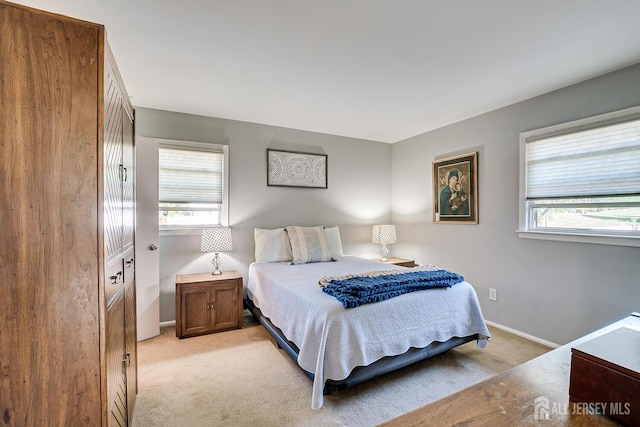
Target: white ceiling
<point x="383" y="70"/>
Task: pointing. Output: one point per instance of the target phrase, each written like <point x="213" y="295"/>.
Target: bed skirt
<point x="361" y="373"/>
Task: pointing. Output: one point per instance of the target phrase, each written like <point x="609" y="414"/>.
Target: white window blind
<point x="595" y="162"/>
<point x="580" y="181"/>
<point x="190" y="176"/>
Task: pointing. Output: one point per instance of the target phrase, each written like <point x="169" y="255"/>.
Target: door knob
<point x="153" y="247"/>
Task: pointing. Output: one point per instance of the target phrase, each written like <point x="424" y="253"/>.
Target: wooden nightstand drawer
<point x="206" y="303"/>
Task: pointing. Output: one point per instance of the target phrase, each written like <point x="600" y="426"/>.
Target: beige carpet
<point x="240" y="378"/>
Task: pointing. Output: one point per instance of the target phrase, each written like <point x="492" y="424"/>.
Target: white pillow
<point x="308" y="244"/>
<point x="272" y="245"/>
<point x="332" y="235"/>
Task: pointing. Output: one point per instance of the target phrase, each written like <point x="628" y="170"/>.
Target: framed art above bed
<point x="296" y="169"/>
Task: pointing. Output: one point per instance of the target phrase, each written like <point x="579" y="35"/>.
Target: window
<point x="192" y="185"/>
<point x="582" y="179"/>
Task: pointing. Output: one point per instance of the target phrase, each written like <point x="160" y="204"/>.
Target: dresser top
<point x="618" y="349"/>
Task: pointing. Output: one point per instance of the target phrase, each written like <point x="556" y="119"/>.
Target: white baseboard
<point x="168" y="323"/>
<point x="522" y="334"/>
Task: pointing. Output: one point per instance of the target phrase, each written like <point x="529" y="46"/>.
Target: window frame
<point x="566" y="235"/>
<point x="168" y="230"/>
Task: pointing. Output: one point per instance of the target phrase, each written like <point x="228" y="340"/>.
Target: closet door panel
<point x="128" y="185"/>
<point x="116" y="363"/>
<point x="131" y="343"/>
<point x="49" y="293"/>
<point x="113" y="167"/>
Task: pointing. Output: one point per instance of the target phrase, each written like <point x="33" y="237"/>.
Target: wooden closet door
<point x="128" y="184"/>
<point x="49" y="271"/>
<point x="113" y="167"/>
<point x="116" y="362"/>
<point x="131" y="343"/>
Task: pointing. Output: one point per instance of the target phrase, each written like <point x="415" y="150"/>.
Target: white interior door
<point x="147" y="253"/>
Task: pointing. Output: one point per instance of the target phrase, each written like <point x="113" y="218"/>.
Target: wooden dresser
<point x="67" y="273"/>
<point x="534" y="393"/>
<point x="606" y="369"/>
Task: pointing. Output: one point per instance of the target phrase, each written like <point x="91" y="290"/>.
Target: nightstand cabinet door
<point x="224" y="307"/>
<point x="194" y="310"/>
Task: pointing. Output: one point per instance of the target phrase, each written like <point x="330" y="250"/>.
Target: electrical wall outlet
<point x="493" y="294"/>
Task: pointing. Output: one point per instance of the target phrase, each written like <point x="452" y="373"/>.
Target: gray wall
<point x="359" y="193"/>
<point x="553" y="290"/>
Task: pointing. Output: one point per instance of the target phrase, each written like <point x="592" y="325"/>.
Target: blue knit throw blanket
<point x="363" y="289"/>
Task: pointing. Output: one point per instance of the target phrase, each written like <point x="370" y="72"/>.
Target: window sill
<point x="600" y="239"/>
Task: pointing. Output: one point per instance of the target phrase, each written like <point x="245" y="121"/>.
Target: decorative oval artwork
<point x="293" y="169"/>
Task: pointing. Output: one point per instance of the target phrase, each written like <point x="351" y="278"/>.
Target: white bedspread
<point x="334" y="340"/>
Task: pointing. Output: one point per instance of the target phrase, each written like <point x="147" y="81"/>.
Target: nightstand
<point x="403" y="262"/>
<point x="207" y="303"/>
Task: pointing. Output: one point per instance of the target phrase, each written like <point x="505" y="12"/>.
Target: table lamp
<point x="216" y="240"/>
<point x="384" y="235"/>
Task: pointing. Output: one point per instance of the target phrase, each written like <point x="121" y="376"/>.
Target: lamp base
<point x="216" y="264"/>
<point x="384" y="251"/>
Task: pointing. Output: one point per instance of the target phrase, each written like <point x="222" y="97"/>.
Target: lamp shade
<point x="384" y="234"/>
<point x="217" y="239"/>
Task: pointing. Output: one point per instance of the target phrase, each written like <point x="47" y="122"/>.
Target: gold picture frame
<point x="455" y="189"/>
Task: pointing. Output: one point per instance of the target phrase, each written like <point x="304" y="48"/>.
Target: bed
<point x="338" y="347"/>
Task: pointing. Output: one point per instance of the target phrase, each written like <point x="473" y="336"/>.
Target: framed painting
<point x="296" y="169"/>
<point x="455" y="189"/>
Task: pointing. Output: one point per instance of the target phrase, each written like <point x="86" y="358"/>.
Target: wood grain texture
<point x="53" y="318"/>
<point x="131" y="343"/>
<point x="116" y="373"/>
<point x="509" y="399"/>
<point x="113" y="167"/>
<point x="128" y="185"/>
<point x="49" y="333"/>
<point x="207" y="303"/>
<point x="607" y="369"/>
<point x="224" y="307"/>
<point x="403" y="262"/>
<point x="118" y="226"/>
